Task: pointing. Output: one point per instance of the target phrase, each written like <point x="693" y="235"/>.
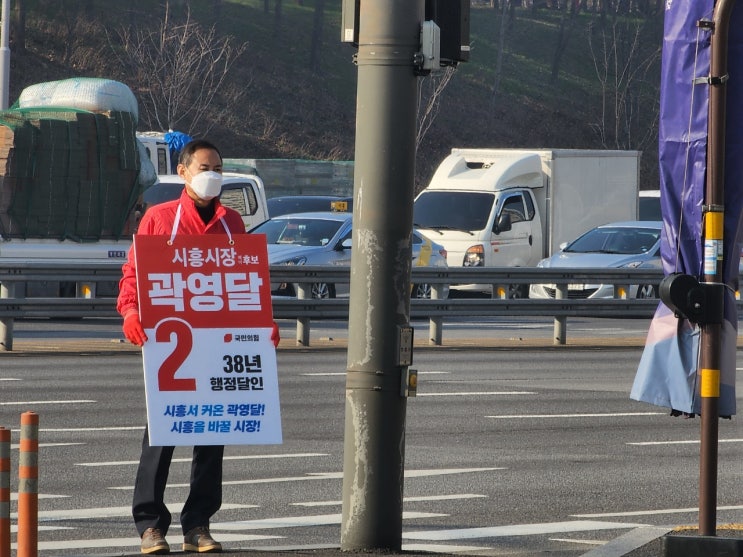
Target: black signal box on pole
<point x="453" y="19"/>
<point x="451" y="16"/>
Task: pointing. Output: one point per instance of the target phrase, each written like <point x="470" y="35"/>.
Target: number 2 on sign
<point x="166" y="379"/>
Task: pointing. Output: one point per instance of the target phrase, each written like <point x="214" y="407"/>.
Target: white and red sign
<point x="209" y="362"/>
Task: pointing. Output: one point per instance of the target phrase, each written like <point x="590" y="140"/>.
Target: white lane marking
<point x="9" y="379"/>
<point x="685" y="442"/>
<point x="479" y="393"/>
<point x="417" y="547"/>
<point x="34" y="402"/>
<point x="597" y="415"/>
<point x="405" y="500"/>
<point x="440" y="548"/>
<point x="133" y="542"/>
<point x="111" y="512"/>
<point x="444" y="497"/>
<point x="334" y="476"/>
<point x="42" y="445"/>
<point x="516" y="530"/>
<point x="338" y="373"/>
<point x="14" y="528"/>
<point x="655" y="512"/>
<point x="231" y="457"/>
<point x="84" y="429"/>
<point x="579" y="542"/>
<point x="299" y="521"/>
<point x="14" y="496"/>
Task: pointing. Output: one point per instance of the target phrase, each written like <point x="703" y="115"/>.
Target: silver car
<point x="324" y="238"/>
<point x="629" y="244"/>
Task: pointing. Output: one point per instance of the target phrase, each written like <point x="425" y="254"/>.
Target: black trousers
<point x="204" y="497"/>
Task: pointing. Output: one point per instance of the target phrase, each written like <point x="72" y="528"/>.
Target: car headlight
<point x="299" y="260"/>
<point x="632" y="265"/>
<point x="474" y="256"/>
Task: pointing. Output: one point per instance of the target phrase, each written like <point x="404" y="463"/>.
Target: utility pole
<point x="380" y="339"/>
<point x="5" y="55"/>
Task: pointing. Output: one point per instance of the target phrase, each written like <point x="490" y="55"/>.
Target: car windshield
<point x="159" y="193"/>
<point x="452" y="210"/>
<point x="615" y="240"/>
<point x="298" y="231"/>
<point x="650" y="208"/>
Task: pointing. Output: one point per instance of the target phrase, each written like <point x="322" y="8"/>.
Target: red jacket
<point x="159" y="220"/>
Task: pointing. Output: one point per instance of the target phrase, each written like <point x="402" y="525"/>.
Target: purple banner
<point x="666" y="375"/>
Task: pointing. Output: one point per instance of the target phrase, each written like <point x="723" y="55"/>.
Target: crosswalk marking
<point x="405" y="500"/>
<point x="579" y="542"/>
<point x="227" y="457"/>
<point x="656" y="512"/>
<point x="439" y="548"/>
<point x="14" y="496"/>
<point x="683" y="442"/>
<point x="47" y="445"/>
<point x="300" y="521"/>
<point x="334" y="476"/>
<point x="418" y="540"/>
<point x="37" y="402"/>
<point x="517" y="530"/>
<point x="41" y="528"/>
<point x="559" y="416"/>
<point x="110" y="512"/>
<point x="479" y="393"/>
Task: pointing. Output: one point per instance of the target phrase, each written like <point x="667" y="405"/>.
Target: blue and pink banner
<point x="667" y="373"/>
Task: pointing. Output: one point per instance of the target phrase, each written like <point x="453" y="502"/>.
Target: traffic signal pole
<point x="379" y="312"/>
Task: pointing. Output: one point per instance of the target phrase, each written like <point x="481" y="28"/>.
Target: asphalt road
<point x="527" y="452"/>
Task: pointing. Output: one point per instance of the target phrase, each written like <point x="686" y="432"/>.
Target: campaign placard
<point x="209" y="362"/>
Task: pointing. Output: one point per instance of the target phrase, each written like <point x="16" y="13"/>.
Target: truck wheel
<point x="323" y="290"/>
<point x="647" y="291"/>
<point x="518" y="291"/>
<point x="421" y="291"/>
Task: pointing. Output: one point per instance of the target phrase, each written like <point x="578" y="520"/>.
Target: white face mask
<point x="207" y="185"/>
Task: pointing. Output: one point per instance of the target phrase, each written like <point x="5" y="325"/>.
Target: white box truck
<point x="513" y="207"/>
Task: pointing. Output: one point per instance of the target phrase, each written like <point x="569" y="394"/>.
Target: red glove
<point x="275" y="336"/>
<point x="133" y="330"/>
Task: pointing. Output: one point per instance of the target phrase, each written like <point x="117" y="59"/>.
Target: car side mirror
<point x="346" y="244"/>
<point x="503" y="223"/>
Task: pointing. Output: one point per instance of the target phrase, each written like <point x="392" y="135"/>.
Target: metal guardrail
<point x="17" y="272"/>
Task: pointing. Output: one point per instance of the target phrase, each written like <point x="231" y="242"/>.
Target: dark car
<point x="288" y="204"/>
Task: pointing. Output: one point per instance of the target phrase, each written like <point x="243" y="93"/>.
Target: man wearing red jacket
<point x="197" y="211"/>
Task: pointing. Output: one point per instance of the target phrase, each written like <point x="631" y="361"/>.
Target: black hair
<point x="192" y="146"/>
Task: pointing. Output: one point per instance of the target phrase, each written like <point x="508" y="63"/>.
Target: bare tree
<point x="566" y="31"/>
<point x="628" y="116"/>
<point x="430" y="90"/>
<point x="503" y="28"/>
<point x="277" y="16"/>
<point x="18" y="30"/>
<point x="177" y="69"/>
<point x="317" y="28"/>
